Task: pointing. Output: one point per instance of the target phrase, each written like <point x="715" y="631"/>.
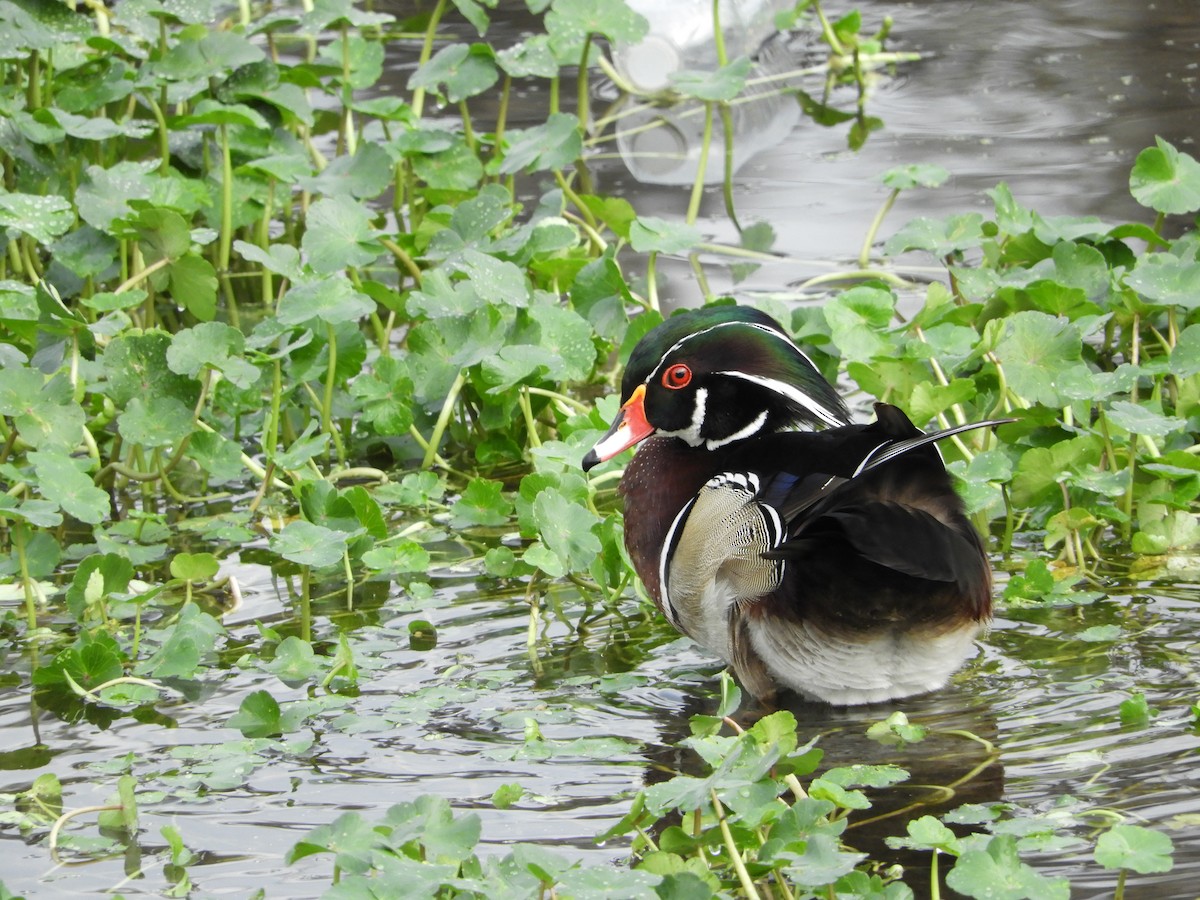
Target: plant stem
<point x="443" y="419"/>
<point x="19" y="536"/>
<point x="418" y="97"/>
<point x="735" y="855"/>
<point x="864" y="255"/>
<point x="305" y="604"/>
<point x="693" y="209"/>
<point x="327" y="400"/>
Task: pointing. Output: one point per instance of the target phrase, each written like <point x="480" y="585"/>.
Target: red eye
<point x="677" y="377"/>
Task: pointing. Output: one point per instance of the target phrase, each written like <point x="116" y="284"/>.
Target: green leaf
<point x="385" y="396"/>
<point x="309" y="545"/>
<point x="1034" y="347"/>
<point x="339" y="235"/>
<point x="135" y="365"/>
<point x="193" y="285"/>
<point x="188" y="642"/>
<point x="200" y="567"/>
<point x="556" y="144"/>
<point x="567" y="529"/>
<point x="61" y="481"/>
<point x="295" y="662"/>
<point x="927" y="833"/>
<point x="1134" y="847"/>
<point x="1166" y="279"/>
<point x="457" y="71"/>
<point x="505" y="796"/>
<point x="214" y="345"/>
<point x="904" y="178"/>
<point x="530" y="58"/>
<point x="1166" y="180"/>
<point x="569" y="22"/>
<point x="1136" y="711"/>
<point x="482" y="503"/>
<point x="996" y="873"/>
<point x="42" y="217"/>
<point x="857" y="320"/>
<point x="332" y="300"/>
<point x="724" y="83"/>
<point x="161" y="423"/>
<point x="258" y="716"/>
<point x="650" y="234"/>
<point x="397" y="558"/>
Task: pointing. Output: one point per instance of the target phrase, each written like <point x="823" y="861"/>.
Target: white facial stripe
<point x="751" y="429"/>
<point x="691" y="434"/>
<point x="792" y="392"/>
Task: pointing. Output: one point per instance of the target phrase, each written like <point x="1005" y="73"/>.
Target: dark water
<point x="1054" y="98"/>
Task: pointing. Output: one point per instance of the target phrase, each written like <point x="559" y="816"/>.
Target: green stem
<point x="327" y="399"/>
<point x="164" y="144"/>
<point x="693" y="209"/>
<point x="349" y="581"/>
<point x="727" y="183"/>
<point x="735" y="854"/>
<point x="226" y="239"/>
<point x="418" y="97"/>
<point x="582" y="85"/>
<point x="305" y="604"/>
<point x="864" y="256"/>
<point x="443" y="420"/>
<point x="530" y="422"/>
<point x="23" y="562"/>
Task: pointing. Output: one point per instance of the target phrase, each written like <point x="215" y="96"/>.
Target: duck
<point x="812" y="554"/>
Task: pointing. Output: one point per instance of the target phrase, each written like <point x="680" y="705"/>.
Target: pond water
<point x="1054" y="98"/>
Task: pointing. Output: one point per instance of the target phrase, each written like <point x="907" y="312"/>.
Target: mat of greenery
<point x="252" y="307"/>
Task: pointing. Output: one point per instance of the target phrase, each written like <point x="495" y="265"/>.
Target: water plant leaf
<point x="1135" y="847"/>
<point x="339" y="235"/>
<point x="532" y="57"/>
<point x="1033" y="345"/>
<point x="1166" y="180"/>
<point x="1164" y="278"/>
<point x="135" y="365"/>
<point x="308" y="544"/>
<point x="856" y="320"/>
<point x="567" y="528"/>
<point x="928" y="833"/>
<point x="199" y="567"/>
<point x="61" y="481"/>
<point x="187" y="642"/>
<point x="997" y="873"/>
<point x="455" y="168"/>
<point x="941" y="237"/>
<point x="295" y="662"/>
<point x="457" y="71"/>
<point x="651" y="234"/>
<point x="258" y="716"/>
<point x="569" y="22"/>
<point x="555" y="144"/>
<point x="163" y="423"/>
<point x="42" y="217"/>
<point x="904" y="178"/>
<point x="365" y="174"/>
<point x="213" y="345"/>
<point x="721" y="84"/>
<point x="332" y="300"/>
<point x="481" y="503"/>
<point x="1136" y="711"/>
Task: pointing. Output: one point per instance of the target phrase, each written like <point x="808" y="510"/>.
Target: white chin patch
<point x="691" y="434"/>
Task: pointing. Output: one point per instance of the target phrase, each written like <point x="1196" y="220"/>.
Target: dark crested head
<point x="715" y="376"/>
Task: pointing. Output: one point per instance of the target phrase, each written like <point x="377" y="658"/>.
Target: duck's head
<point x="715" y="376"/>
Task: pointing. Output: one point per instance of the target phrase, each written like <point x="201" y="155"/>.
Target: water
<point x="1056" y="99"/>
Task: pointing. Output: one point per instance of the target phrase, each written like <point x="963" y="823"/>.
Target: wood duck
<point x="838" y="564"/>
